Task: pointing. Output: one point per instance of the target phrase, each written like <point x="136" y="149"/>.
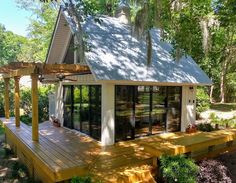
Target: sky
<point x="13" y="18"/>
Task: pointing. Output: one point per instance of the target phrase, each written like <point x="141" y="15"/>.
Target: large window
<point x="146" y="110"/>
<point x="124" y="122"/>
<point x="68" y="108"/>
<point x="82" y="109"/>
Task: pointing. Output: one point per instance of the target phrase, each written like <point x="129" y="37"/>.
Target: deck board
<point x="67" y="153"/>
<point x="64" y="153"/>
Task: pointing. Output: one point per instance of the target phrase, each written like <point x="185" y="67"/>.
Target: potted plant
<point x="192" y="128"/>
<point x="55" y="121"/>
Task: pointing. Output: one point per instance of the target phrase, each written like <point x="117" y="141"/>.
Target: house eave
<point x="130" y="82"/>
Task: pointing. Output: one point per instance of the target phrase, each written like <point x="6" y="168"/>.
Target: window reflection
<point x="124" y="113"/>
<point x="67" y="99"/>
<point x="174" y="108"/>
<point x="142" y="111"/>
<point x="146" y="110"/>
<point x="82" y="109"/>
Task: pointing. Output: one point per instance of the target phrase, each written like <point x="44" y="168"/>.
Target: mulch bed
<point x="9" y="173"/>
<point x="221" y="169"/>
<point x="229" y="160"/>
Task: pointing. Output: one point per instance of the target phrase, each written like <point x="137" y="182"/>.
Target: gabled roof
<point x="114" y="54"/>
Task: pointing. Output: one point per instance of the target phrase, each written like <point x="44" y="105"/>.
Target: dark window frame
<point x="150" y="107"/>
<point x="98" y="102"/>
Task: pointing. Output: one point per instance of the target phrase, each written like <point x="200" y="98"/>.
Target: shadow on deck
<point x="61" y="153"/>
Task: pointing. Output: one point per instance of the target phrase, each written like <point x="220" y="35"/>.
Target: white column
<point x="188" y="106"/>
<point x="52" y="104"/>
<point x="108" y="114"/>
<point x="59" y="102"/>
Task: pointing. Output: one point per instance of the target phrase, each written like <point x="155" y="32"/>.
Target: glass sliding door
<point x="77" y="108"/>
<point x="146" y="110"/>
<point x="124" y="113"/>
<point x="68" y="107"/>
<point x="174" y="109"/>
<point x="159" y="109"/>
<point x="95" y="110"/>
<point x="82" y="109"/>
<point x="142" y="111"/>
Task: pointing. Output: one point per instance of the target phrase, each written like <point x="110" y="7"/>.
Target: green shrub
<point x="7" y="150"/>
<point x="26" y="119"/>
<point x="26" y="104"/>
<point x="214" y="119"/>
<point x="205" y="127"/>
<point x="178" y="169"/>
<point x="2" y="130"/>
<point x="19" y="170"/>
<point x="203" y="100"/>
<point x="222" y="122"/>
<point x="86" y="179"/>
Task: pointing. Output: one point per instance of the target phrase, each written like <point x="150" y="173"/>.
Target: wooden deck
<point x="61" y="154"/>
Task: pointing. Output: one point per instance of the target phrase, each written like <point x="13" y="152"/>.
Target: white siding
<point x="108" y="114"/>
<point x="52" y="104"/>
<point x="60" y="41"/>
<point x="188" y="106"/>
<point x="59" y="102"/>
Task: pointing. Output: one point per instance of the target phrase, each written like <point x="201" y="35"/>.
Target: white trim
<point x="108" y="115"/>
<point x="54" y="33"/>
<point x="59" y="103"/>
<point x="188" y="111"/>
<point x="66" y="46"/>
<point x="129" y="82"/>
<point x="75" y="51"/>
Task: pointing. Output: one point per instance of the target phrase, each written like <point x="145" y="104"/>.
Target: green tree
<point x="10" y="45"/>
<point x="39" y="30"/>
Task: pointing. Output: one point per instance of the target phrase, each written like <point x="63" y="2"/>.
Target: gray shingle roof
<point x="115" y="54"/>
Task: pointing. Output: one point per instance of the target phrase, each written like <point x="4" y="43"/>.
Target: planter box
<point x="191" y="130"/>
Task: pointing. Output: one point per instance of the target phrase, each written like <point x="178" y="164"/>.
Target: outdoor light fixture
<point x="41" y="78"/>
<point x="61" y="77"/>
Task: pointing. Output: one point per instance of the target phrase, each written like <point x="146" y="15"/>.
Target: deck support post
<point x="34" y="99"/>
<point x="6" y="98"/>
<point x="17" y="101"/>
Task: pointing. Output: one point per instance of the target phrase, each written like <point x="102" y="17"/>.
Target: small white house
<point x="122" y="98"/>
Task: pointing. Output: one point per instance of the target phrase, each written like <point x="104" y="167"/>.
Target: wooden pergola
<point x="16" y="70"/>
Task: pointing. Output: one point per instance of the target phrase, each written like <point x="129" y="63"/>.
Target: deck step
<point x="128" y="174"/>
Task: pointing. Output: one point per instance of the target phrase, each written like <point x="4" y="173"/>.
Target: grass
<point x="226" y="107"/>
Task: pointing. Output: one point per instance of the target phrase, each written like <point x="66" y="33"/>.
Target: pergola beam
<point x="23" y="72"/>
<point x="64" y="68"/>
<point x="24" y="69"/>
<point x="17" y="69"/>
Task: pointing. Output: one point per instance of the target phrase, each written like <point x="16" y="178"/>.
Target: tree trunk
<point x="211" y="93"/>
<point x="222" y="81"/>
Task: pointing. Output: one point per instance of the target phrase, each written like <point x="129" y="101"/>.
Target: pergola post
<point x="17" y="101"/>
<point x="34" y="98"/>
<point x="6" y="98"/>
